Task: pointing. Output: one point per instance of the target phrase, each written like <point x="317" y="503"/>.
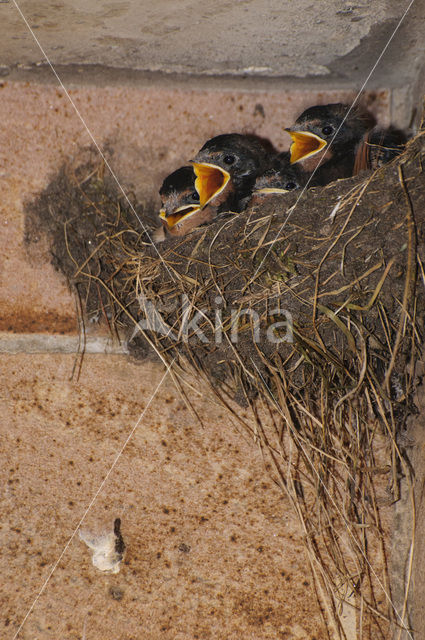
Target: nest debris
<point x="310" y="311"/>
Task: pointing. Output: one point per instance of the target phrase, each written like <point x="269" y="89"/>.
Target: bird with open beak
<point x="279" y="177"/>
<point x="326" y="138"/>
<point x="180" y="211"/>
<point x="226" y="168"/>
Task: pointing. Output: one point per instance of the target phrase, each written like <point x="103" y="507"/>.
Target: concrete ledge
<point x="42" y="343"/>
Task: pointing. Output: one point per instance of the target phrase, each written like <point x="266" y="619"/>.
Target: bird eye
<point x="328" y="130"/>
<point x="229" y="159"/>
<point x="195" y="195"/>
<point x="290" y="185"/>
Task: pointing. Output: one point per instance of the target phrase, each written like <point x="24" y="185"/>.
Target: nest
<point x="306" y="309"/>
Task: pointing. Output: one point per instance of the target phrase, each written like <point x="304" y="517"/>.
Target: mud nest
<point x="307" y="309"/>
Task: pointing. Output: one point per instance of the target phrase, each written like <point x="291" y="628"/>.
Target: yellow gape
<point x="210" y="181"/>
<point x="304" y="145"/>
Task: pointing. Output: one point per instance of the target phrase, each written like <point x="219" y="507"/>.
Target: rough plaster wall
<point x="213" y="549"/>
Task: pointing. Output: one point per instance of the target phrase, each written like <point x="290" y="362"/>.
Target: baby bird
<point x="226" y="169"/>
<point x="280" y="176"/>
<point x="180" y="211"/>
<point x="321" y="134"/>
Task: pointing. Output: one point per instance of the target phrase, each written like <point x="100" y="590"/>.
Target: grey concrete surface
<point x="278" y="38"/>
<point x="330" y="44"/>
<point x="256" y="37"/>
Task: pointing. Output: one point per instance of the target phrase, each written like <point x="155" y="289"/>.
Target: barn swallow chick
<point x="280" y="176"/>
<point x="180" y="201"/>
<point x="323" y="134"/>
<point x="180" y="211"/>
<point x="226" y="168"/>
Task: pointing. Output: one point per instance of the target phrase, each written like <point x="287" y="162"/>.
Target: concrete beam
<point x="333" y="45"/>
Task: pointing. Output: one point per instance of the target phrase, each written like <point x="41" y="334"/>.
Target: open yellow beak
<point x="182" y="212"/>
<point x="271" y="190"/>
<point x="304" y="145"/>
<point x="210" y="181"/>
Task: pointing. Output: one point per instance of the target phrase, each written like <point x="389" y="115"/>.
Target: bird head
<point x="327" y="125"/>
<point x="179" y="197"/>
<point x="280" y="177"/>
<point x="228" y="158"/>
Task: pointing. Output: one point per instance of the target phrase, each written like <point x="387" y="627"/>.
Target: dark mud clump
<point x="93" y="232"/>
